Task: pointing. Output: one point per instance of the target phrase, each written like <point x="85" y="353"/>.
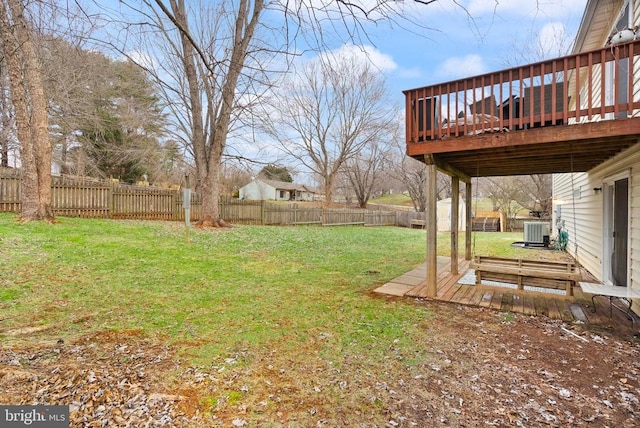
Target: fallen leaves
<point x="479" y="371"/>
<point x="104" y="384"/>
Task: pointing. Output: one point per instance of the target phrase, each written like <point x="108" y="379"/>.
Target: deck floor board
<point x="576" y="308"/>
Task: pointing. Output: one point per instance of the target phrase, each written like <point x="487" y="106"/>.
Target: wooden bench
<point x="416" y="222"/>
<point x="611" y="292"/>
<point x="531" y="273"/>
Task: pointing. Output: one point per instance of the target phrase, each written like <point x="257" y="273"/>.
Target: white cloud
<point x="553" y="39"/>
<point x="456" y="67"/>
<point x="367" y="53"/>
<point x="145" y="59"/>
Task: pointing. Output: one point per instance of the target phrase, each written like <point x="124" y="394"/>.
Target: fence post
<point x="174" y="202"/>
<point x="262" y="212"/>
<point x="110" y="199"/>
<point x="186" y="205"/>
<point x="295" y="214"/>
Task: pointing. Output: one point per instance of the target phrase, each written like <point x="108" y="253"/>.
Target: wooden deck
<point x="541" y="118"/>
<point x="557" y="306"/>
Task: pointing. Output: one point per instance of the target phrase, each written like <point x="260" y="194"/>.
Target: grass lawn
<point x="394" y="199"/>
<point x="247" y="281"/>
<point x="477" y="205"/>
<point x="264" y="298"/>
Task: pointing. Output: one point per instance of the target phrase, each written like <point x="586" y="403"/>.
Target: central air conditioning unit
<point x="536" y="233"/>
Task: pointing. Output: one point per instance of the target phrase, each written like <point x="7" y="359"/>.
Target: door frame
<point x="608" y="185"/>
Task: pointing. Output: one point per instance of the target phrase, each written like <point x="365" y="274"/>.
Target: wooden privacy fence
<point x="9" y="191"/>
<point x="84" y="197"/>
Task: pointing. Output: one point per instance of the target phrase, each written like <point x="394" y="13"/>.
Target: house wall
<point x="281" y="195"/>
<point x="578" y="210"/>
<point x="258" y="191"/>
<point x="306" y="196"/>
<point x="582" y="209"/>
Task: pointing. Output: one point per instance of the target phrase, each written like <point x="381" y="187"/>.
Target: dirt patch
<point x="532" y="371"/>
<point x="483" y="368"/>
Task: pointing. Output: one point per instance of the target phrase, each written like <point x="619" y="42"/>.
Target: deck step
<point x="577" y="312"/>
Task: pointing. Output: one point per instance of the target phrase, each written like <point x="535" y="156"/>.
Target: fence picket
<point x="86" y="197"/>
<point x="9" y="191"/>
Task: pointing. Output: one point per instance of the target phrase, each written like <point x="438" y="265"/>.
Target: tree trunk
<point x="208" y="150"/>
<point x="210" y="188"/>
<point x="328" y="190"/>
<point x="32" y="120"/>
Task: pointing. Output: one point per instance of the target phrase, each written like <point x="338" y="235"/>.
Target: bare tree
<point x="364" y="170"/>
<point x="217" y="48"/>
<point x="330" y="112"/>
<point x="171" y="167"/>
<point x="443" y="185"/>
<point x="532" y="192"/>
<point x="234" y="176"/>
<point x="208" y="68"/>
<point x="342" y="188"/>
<point x="504" y="192"/>
<point x="29" y="101"/>
<point x="527" y="47"/>
<point x="536" y="193"/>
<point x="413" y="175"/>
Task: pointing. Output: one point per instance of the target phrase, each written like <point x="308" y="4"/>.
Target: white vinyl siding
<point x="636" y="62"/>
<point x="258" y="191"/>
<point x="582" y="211"/>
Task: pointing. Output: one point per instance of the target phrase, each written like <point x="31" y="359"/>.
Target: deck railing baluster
<point x="577" y="91"/>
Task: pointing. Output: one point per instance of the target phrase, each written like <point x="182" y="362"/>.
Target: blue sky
<point x="447" y="40"/>
<point x="451" y="39"/>
<point x="495" y="34"/>
<point x="444" y="42"/>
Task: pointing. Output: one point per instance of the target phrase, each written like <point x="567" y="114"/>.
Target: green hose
<point x="563" y="240"/>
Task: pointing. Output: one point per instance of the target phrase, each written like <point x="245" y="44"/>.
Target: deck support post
<point x="455" y="215"/>
<point x="468" y="221"/>
<point x="432" y="228"/>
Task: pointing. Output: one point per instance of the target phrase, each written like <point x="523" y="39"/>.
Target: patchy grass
<point x="275" y="313"/>
<point x="498" y="245"/>
<point x="395" y="199"/>
<point x="478" y="204"/>
<point x="228" y="288"/>
<point x="482" y="205"/>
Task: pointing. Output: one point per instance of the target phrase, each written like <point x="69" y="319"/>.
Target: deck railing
<point x="589" y="86"/>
